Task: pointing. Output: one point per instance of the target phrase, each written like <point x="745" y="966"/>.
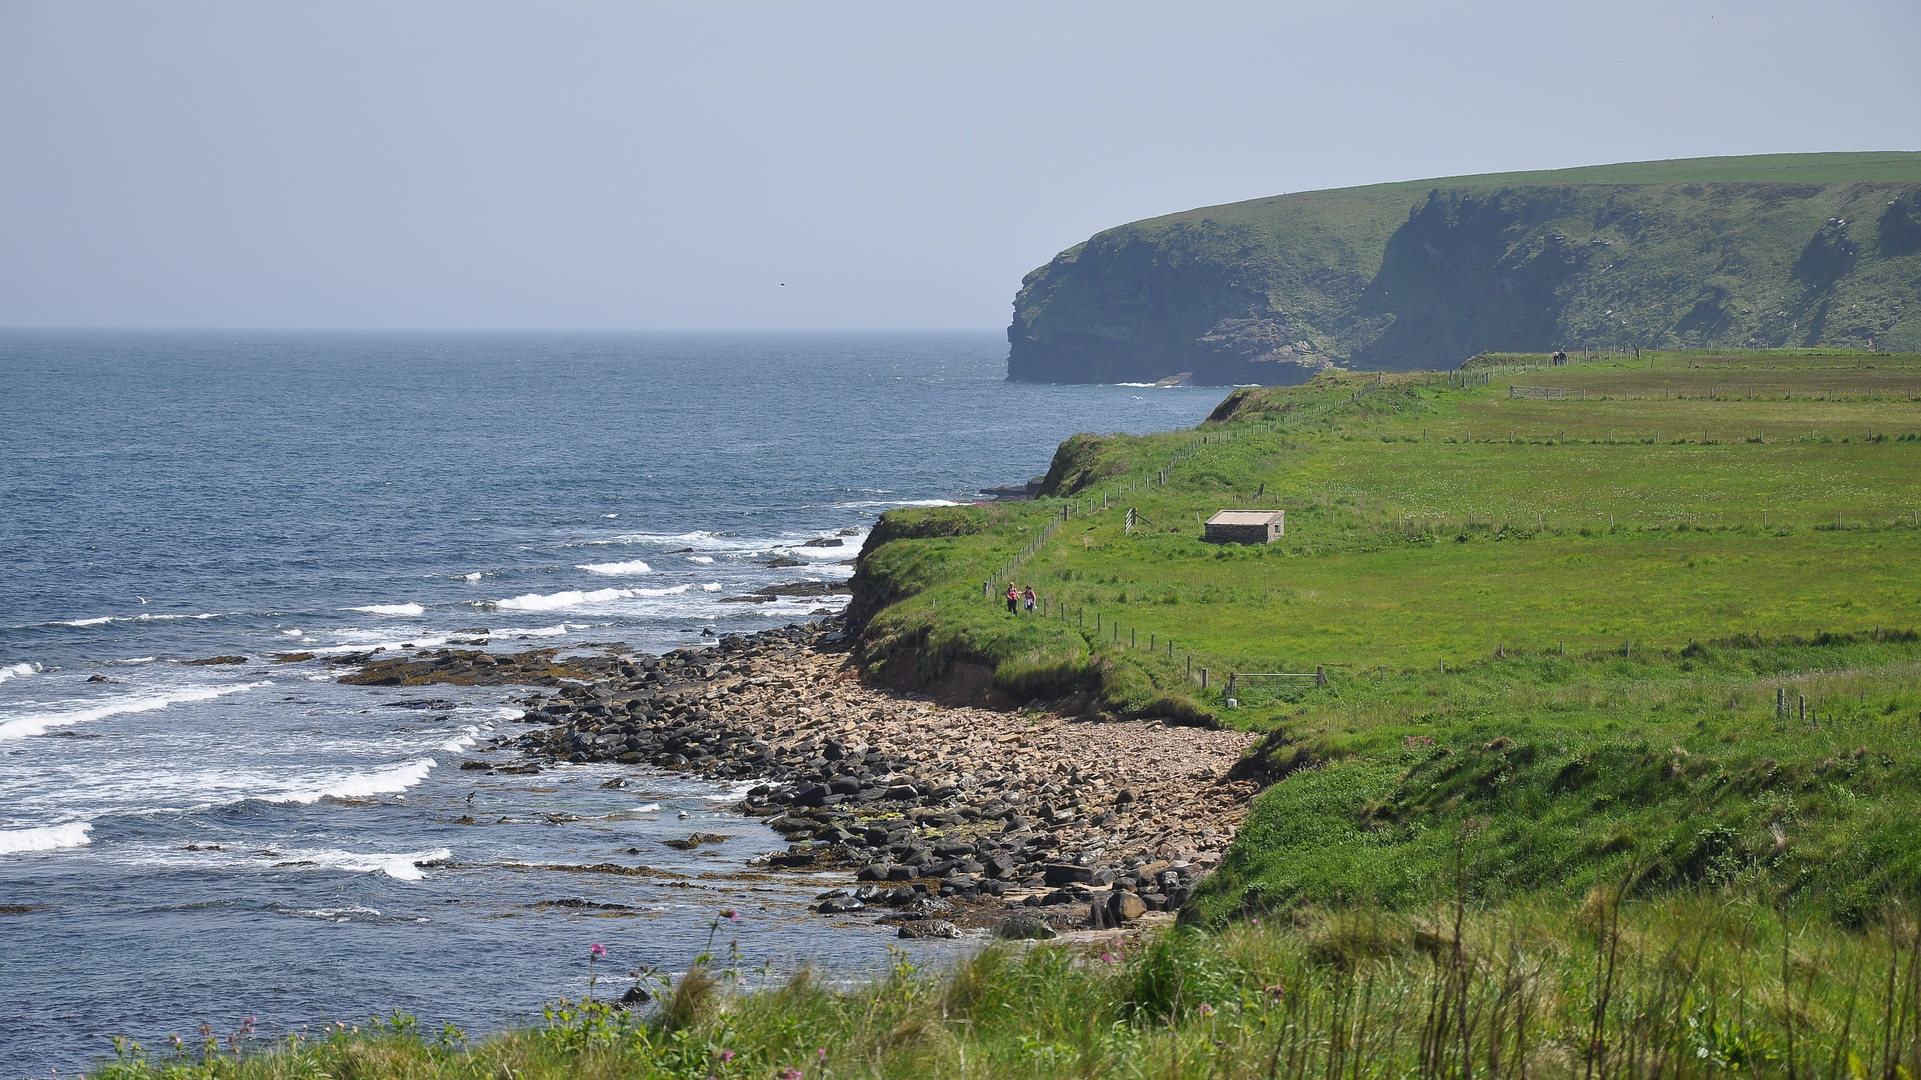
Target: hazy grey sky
<point x="896" y="164"/>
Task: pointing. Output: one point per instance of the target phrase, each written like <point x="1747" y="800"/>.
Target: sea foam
<point x="398" y="865"/>
<point x="26" y="725"/>
<point x="577" y="597"/>
<point x="360" y="785"/>
<point x="632" y="566"/>
<point x="45" y="838"/>
<point x="391" y="609"/>
<point x="17" y="670"/>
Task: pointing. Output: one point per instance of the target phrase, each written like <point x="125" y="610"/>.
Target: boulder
<point x="1067" y="873"/>
<point x="929" y="928"/>
<point x="1023" y="928"/>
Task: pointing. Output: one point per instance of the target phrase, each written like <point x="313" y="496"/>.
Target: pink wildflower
<point x="597" y="951"/>
<point x="1204" y="1009"/>
<point x="730" y="915"/>
<point x="790" y="1073"/>
<point x="726" y="1057"/>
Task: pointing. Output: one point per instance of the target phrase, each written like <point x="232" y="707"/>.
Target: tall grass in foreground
<point x="1694" y="985"/>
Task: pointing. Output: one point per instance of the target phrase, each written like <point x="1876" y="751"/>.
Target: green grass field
<point x="1629" y="574"/>
<point x="1686" y="987"/>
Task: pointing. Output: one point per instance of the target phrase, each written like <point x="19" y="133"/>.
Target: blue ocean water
<point x="183" y="844"/>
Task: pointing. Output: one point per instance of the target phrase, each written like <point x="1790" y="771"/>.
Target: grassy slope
<point x="1695" y="987"/>
<point x="1152" y="287"/>
<point x="1418" y="535"/>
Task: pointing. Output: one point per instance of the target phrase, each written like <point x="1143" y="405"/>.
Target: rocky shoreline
<point x="1030" y="822"/>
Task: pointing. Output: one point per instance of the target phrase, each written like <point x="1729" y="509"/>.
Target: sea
<point x="255" y="844"/>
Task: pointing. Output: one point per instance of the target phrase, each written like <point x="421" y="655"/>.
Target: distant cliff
<point x="1781" y="250"/>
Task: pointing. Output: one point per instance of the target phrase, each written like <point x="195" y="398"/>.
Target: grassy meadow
<point x="1653" y="630"/>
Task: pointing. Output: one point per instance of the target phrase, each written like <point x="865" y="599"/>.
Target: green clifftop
<point x="1756" y="252"/>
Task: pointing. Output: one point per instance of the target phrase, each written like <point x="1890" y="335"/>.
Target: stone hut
<point x="1245" y="527"/>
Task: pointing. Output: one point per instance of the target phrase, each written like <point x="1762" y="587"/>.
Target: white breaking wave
<point x="45" y="838"/>
<point x="648" y="809"/>
<point x="868" y="504"/>
<point x="360" y="785"/>
<point x="576" y="598"/>
<point x="391" y="609"/>
<point x="25" y="725"/>
<point x="632" y="566"/>
<point x="704" y="560"/>
<point x="90" y="622"/>
<point x="461" y="742"/>
<point x="18" y="670"/>
<point x="397" y="865"/>
<point x="712" y="586"/>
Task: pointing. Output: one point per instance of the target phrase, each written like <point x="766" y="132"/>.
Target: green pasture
<point x="1562" y="626"/>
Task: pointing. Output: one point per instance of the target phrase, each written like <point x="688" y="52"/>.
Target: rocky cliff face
<point x="1409" y="276"/>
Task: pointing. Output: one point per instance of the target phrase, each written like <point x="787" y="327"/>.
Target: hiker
<point x="1013" y="599"/>
<point x="1027" y="595"/>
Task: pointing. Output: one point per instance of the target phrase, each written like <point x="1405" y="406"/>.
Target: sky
<point x="797" y="165"/>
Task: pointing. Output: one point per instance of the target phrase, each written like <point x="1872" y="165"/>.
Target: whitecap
<point x="293" y="633"/>
<point x="91" y="622"/>
<point x="360" y="785"/>
<point x="712" y="586"/>
<point x="457" y="744"/>
<point x="648" y="809"/>
<point x="17" y="670"/>
<point x="45" y="838"/>
<point x="24" y="725"/>
<point x="401" y="866"/>
<point x="704" y="560"/>
<point x="391" y="609"/>
<point x="471" y="577"/>
<point x="577" y="597"/>
<point x="632" y="566"/>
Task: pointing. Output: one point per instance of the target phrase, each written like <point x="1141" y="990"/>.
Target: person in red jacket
<point x="1013" y="599"/>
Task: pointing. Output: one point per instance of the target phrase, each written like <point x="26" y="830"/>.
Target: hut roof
<point x="1244" y="517"/>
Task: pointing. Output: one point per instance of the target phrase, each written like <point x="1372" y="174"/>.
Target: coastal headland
<point x="1768" y="251"/>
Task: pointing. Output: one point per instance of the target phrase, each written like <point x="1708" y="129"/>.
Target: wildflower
<point x="174" y="1041"/>
<point x="1204" y="1009"/>
<point x="821" y="1055"/>
<point x="730" y="915"/>
<point x="789" y="1073"/>
<point x="597" y="951"/>
<point x="726" y="1057"/>
<point x="1107" y="958"/>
